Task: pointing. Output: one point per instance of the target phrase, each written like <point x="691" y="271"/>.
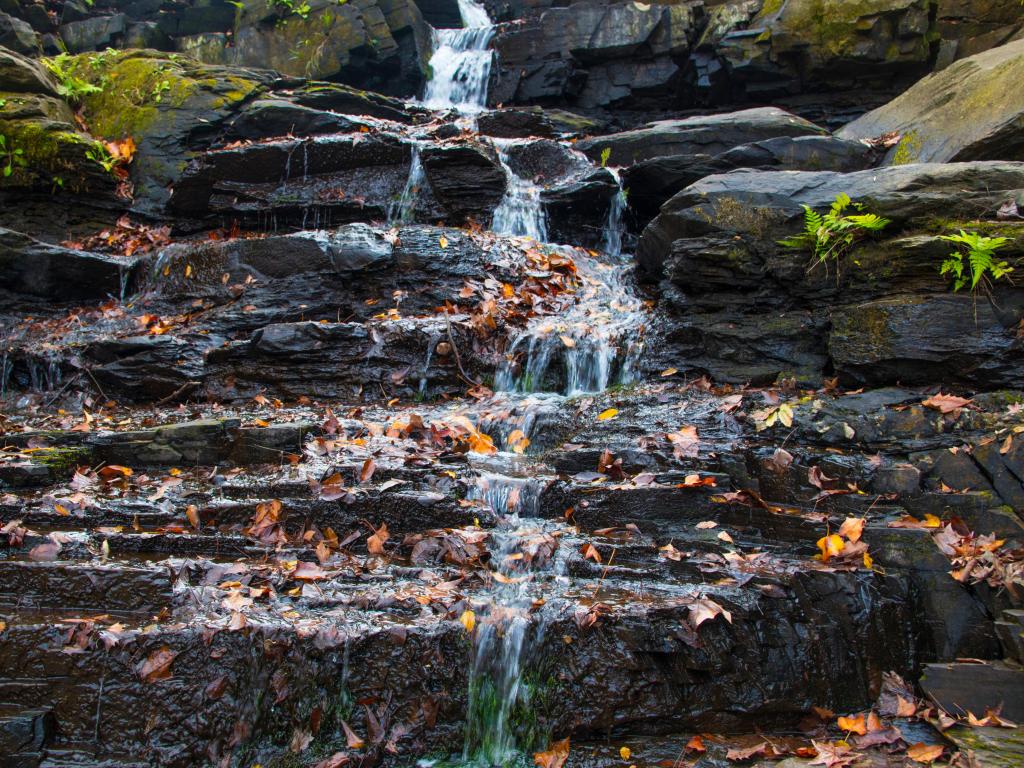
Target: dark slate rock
<point x="52" y="272"/>
<point x="94" y="33"/>
<point x="709" y="135"/>
<point x="18" y="35"/>
<point x="467" y="180"/>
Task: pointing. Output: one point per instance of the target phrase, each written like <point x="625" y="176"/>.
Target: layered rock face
<point x="342" y="428"/>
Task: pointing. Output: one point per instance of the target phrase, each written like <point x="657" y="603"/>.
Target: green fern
<point x="830" y="236"/>
<point x="974" y="260"/>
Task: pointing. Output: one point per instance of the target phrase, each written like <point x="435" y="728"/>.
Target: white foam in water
<point x="520" y="211"/>
<point x="461" y="63"/>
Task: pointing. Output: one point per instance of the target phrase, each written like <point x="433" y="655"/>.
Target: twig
<point x="60" y="391"/>
<point x="455" y="351"/>
<point x="102" y="393"/>
<point x="179" y="391"/>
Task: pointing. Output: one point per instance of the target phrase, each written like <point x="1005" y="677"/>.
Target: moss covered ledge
<point x="171" y="105"/>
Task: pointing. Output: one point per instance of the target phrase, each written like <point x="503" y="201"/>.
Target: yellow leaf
<point x="468" y="620"/>
<point x="443" y="241"/>
<point x="931" y="521"/>
<point x="830" y="546"/>
<point x="785" y="415"/>
<point x="868" y="562"/>
<point x="624" y="753"/>
<point x="611" y="413"/>
<point x="669" y="371"/>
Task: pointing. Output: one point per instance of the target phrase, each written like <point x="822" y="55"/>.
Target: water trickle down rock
<point x="525" y="555"/>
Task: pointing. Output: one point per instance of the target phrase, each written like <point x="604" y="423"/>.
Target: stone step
<point x="976" y="687"/>
<point x="84" y="587"/>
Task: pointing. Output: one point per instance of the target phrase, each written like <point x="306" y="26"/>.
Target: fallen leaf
<point x="157" y="665"/>
<point x="610" y="413"/>
<point x="925" y="753"/>
<point x="696" y="744"/>
<point x="624" y="753"/>
<point x="468" y="620"/>
<point x="353" y="741"/>
<point x="945" y="403"/>
<point x="852" y="528"/>
<point x="554" y="756"/>
<point x="853" y="724"/>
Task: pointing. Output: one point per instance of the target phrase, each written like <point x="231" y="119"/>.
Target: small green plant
<point x="605" y="154"/>
<point x="830" y="236"/>
<point x="100" y="154"/>
<point x="300" y="9"/>
<point x="974" y="260"/>
<point x="159" y="89"/>
<point x="11" y="156"/>
<point x="69" y="86"/>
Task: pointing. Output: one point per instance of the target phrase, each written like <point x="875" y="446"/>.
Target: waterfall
<point x="461" y="63"/>
<point x="401" y="211"/>
<point x="615" y="227"/>
<point x="523" y="552"/>
<point x="520" y="211"/>
<point x="595" y="340"/>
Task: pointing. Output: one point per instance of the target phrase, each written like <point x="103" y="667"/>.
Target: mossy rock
<point x="53" y="152"/>
<point x="61" y="461"/>
<point x="161" y="101"/>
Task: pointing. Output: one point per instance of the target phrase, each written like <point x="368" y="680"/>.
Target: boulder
<point x="652" y="182"/>
<point x="706" y="134"/>
<point x="378" y="45"/>
<point x="18" y="35"/>
<point x="20" y="74"/>
<point x="739" y="306"/>
<point x="343" y="177"/>
<point x="170" y="106"/>
<point x="466" y="178"/>
<point x="971" y="110"/>
<point x="594" y="54"/>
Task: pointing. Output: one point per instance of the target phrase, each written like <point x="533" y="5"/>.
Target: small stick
<point x="179" y="391"/>
<point x="455" y="350"/>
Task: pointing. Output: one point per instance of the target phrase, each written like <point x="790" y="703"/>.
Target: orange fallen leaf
<point x="554" y="756"/>
<point x="853" y="724"/>
<point x="830" y="546"/>
<point x="925" y="753"/>
<point x="610" y="413"/>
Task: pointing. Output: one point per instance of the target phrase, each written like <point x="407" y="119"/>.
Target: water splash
<point x="460" y="66"/>
<point x="520" y="211"/>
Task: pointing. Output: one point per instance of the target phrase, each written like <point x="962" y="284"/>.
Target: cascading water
<point x="401" y="211"/>
<point x="615" y="227"/>
<point x="523" y="554"/>
<point x="461" y="63"/>
<point x="520" y="211"/>
<point x="596" y="339"/>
